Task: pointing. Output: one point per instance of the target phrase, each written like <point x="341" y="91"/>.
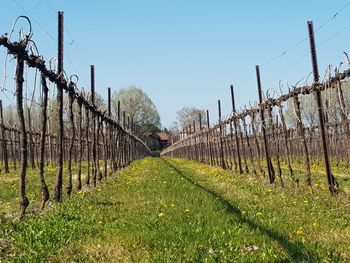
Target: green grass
<point x="318" y="174"/>
<point x="171" y="210"/>
<point x="9" y="185"/>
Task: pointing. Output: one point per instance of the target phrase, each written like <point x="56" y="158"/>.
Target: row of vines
<point x="85" y="134"/>
<point x="278" y="138"/>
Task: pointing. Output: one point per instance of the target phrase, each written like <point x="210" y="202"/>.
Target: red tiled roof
<point x="164" y="136"/>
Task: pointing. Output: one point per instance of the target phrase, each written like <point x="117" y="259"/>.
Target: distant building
<point x="164" y="138"/>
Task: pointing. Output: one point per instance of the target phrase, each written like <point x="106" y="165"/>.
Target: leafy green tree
<point x="143" y="114"/>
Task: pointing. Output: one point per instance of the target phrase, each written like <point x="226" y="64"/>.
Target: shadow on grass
<point x="295" y="250"/>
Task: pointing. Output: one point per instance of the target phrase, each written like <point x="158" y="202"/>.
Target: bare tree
<point x="187" y="115"/>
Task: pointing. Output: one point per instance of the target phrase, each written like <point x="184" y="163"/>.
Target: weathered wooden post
<point x="222" y="157"/>
<point x="332" y="183"/>
<point x="236" y="130"/>
<point x="44" y="189"/>
<point x="60" y="135"/>
<point x="270" y="169"/>
<point x="93" y="119"/>
<point x="71" y="145"/>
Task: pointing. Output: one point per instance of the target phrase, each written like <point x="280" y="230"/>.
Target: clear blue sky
<point x="187" y="52"/>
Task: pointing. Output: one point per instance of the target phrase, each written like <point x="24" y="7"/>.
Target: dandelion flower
<point x="299" y="231"/>
<point x="161" y="214"/>
<point x="100" y="222"/>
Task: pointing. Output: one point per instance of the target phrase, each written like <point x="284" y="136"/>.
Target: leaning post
<point x="270" y="169"/>
<point x="332" y="183"/>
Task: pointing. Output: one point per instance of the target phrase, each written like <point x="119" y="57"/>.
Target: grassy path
<point x="168" y="210"/>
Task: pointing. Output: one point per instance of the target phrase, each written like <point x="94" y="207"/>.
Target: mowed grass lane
<point x="170" y="210"/>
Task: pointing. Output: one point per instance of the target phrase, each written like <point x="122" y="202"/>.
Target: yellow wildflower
<point x="187" y="210"/>
<point x="161" y="214"/>
<point x="100" y="222"/>
<point x="299" y="231"/>
<point x="258" y="214"/>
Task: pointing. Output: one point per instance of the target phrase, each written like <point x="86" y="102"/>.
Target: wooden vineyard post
<point x="236" y="130"/>
<point x="231" y="146"/>
<point x="222" y="157"/>
<point x="60" y="135"/>
<point x="71" y="145"/>
<point x="93" y="119"/>
<point x="332" y="183"/>
<point x="44" y="190"/>
<point x="271" y="171"/>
